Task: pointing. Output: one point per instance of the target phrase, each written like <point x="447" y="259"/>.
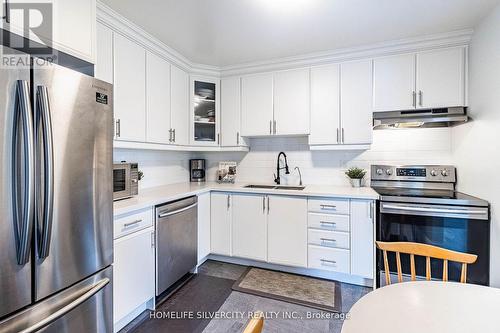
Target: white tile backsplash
<point x="159" y="167"/>
<point x="405" y="146"/>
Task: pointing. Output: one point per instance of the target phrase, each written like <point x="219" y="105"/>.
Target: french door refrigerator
<point x="56" y="225"/>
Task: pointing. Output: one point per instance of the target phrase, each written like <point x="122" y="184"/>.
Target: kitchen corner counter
<point x="158" y="195"/>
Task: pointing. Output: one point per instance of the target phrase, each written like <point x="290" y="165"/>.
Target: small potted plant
<point x="356" y="176"/>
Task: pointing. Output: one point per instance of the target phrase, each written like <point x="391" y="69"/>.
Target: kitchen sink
<point x="276" y="187"/>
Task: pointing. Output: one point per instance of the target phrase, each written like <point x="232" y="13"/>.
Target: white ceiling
<point x="229" y="32"/>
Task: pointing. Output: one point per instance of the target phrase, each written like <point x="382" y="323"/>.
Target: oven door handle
<point x="434" y="210"/>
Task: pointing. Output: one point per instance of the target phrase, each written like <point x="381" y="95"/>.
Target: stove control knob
<point x="380" y="172"/>
<point x="444" y="173"/>
<point x="433" y="173"/>
<point x="388" y="172"/>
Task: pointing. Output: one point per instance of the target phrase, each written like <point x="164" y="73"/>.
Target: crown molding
<point x="118" y="23"/>
<point x="115" y="21"/>
<point x="422" y="43"/>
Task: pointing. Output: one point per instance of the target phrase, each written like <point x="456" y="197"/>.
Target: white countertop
<point x="157" y="195"/>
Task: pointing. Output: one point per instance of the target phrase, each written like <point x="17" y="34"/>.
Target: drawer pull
<point x="328" y="240"/>
<point x="331" y="262"/>
<point x="126" y="225"/>
<point x="328" y="207"/>
<point x="332" y="224"/>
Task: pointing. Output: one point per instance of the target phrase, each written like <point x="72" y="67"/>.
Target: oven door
<point x="458" y="228"/>
<point x="121" y="181"/>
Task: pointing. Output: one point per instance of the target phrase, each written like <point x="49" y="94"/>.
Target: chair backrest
<point x="255" y="324"/>
<point x="427" y="251"/>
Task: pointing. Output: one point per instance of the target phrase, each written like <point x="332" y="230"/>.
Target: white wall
<point x="159" y="167"/>
<point x="476" y="145"/>
<point x="409" y="146"/>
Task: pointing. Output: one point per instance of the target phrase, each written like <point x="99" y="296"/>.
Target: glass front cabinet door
<point x="205" y="113"/>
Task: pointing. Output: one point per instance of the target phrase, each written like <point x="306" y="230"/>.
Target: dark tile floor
<point x="210" y="291"/>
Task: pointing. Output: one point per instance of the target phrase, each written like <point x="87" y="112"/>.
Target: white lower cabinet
<point x="330" y="259"/>
<point x="133" y="272"/>
<point x="287" y="230"/>
<point x="330" y="234"/>
<point x="249" y="229"/>
<point x="220" y="223"/>
<point x="362" y="236"/>
<point x="203" y="226"/>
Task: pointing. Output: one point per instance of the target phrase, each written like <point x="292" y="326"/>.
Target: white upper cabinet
<point x="287" y="230"/>
<point x="179" y="121"/>
<point x="129" y="89"/>
<point x="291" y="102"/>
<point x="220" y="223"/>
<point x="73" y="24"/>
<point x="325" y="105"/>
<point x="205" y="114"/>
<point x="423" y="80"/>
<point x="257" y="104"/>
<point x="157" y="99"/>
<point x="394" y="83"/>
<point x="104" y="53"/>
<point x="362" y="238"/>
<point x="441" y="78"/>
<point x="356" y="102"/>
<point x="249" y="226"/>
<point x="231" y="112"/>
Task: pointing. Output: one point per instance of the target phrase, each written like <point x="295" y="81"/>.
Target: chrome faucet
<point x="300" y="175"/>
<point x="278" y="168"/>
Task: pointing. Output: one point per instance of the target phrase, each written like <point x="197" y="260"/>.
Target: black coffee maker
<point x="197" y="170"/>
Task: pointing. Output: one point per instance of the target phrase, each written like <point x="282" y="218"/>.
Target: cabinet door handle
<point x="118" y="128"/>
<point x="228" y="202"/>
<point x="264" y="205"/>
<point x="218" y="138"/>
<point x="332" y="224"/>
<point x="338" y="139"/>
<point x="420" y="97"/>
<point x="237" y="138"/>
<point x="324" y="261"/>
<point x="414" y="99"/>
<point x="274" y="122"/>
<point x="328" y="240"/>
<point x="267" y="205"/>
<point x="173" y="132"/>
<point x="343" y="135"/>
<point x="129" y="224"/>
<point x="270" y="127"/>
<point x="333" y="207"/>
<point x="7" y="11"/>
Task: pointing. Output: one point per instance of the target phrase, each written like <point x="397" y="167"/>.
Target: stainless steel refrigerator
<point x="56" y="228"/>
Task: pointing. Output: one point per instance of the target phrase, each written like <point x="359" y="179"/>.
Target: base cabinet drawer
<point x="328" y="222"/>
<point x="336" y="260"/>
<point x="328" y="206"/>
<point x="130" y="223"/>
<point x="331" y="239"/>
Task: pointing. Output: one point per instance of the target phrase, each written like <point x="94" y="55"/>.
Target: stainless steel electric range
<point x="418" y="203"/>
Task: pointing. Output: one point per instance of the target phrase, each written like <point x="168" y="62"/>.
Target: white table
<point x="426" y="307"/>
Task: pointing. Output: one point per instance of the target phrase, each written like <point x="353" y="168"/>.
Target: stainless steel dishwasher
<point x="176" y="241"/>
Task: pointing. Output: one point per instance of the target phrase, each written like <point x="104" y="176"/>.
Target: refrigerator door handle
<point x="23" y="170"/>
<point x="87" y="293"/>
<point x="44" y="132"/>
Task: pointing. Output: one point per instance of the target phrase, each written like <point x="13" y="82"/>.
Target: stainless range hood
<point x="443" y="117"/>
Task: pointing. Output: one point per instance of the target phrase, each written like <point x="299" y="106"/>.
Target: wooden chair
<point x="256" y="323"/>
<point x="428" y="251"/>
